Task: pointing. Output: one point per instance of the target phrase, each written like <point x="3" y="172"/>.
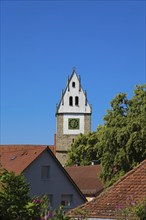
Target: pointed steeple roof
<point x="73" y="89"/>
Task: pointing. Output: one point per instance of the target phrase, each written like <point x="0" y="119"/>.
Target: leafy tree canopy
<point x="15" y="202"/>
<point x="83" y="150"/>
<point x="120" y="143"/>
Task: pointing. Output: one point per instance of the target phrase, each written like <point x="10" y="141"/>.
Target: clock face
<point x="73" y="123"/>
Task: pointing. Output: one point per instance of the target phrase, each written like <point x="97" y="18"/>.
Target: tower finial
<point x="74" y="69"/>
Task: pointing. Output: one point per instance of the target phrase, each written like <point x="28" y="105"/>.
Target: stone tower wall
<point x="87" y="125"/>
<point x="63" y="141"/>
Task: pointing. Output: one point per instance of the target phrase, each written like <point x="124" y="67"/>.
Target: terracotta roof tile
<point x="87" y="178"/>
<point x="131" y="187"/>
<point x="17" y="158"/>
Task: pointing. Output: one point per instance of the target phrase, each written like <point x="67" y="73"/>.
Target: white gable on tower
<point x="74" y="99"/>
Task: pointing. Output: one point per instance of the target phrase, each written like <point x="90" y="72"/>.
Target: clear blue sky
<point x="40" y="43"/>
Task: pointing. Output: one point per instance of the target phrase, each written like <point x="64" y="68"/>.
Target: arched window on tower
<point x="70" y="101"/>
<point x="77" y="101"/>
<point x="73" y="84"/>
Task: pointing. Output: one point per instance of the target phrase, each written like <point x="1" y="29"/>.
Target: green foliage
<point x="135" y="210"/>
<point x="15" y="202"/>
<point x="60" y="214"/>
<point x="80" y="214"/>
<point x="120" y="143"/>
<point x="122" y="139"/>
<point x="82" y="150"/>
<point x="13" y="188"/>
<point x="140" y="211"/>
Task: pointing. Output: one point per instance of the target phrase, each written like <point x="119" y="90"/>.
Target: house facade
<point x="44" y="173"/>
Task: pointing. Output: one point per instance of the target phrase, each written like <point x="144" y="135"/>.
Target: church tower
<point x="73" y="116"/>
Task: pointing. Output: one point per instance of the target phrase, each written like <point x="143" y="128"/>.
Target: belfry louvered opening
<point x="77" y="101"/>
<point x="71" y="101"/>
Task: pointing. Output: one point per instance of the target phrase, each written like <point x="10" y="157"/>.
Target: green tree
<point x="136" y="126"/>
<point x="82" y="150"/>
<point x="122" y="139"/>
<point x="120" y="143"/>
<point x="15" y="202"/>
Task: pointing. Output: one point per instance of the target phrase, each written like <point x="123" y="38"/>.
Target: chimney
<point x="94" y="162"/>
<point x="77" y="164"/>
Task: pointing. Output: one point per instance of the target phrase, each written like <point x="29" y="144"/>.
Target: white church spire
<point x="74" y="99"/>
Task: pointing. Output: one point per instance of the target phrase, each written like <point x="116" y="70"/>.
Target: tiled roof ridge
<point x="123" y="178"/>
<point x="9" y="145"/>
<point x="106" y="208"/>
<point x="16" y="149"/>
<point x="120" y="180"/>
<point x="130" y="172"/>
<point x="25" y="145"/>
<point x="5" y="152"/>
<point x="83" y="166"/>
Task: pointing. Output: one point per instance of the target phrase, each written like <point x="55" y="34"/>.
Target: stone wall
<point x="63" y="141"/>
<point x="87" y="125"/>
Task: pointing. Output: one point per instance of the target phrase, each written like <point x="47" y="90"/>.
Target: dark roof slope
<point x="87" y="178"/>
<point x="131" y="187"/>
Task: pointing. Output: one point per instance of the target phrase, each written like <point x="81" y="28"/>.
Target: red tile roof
<point x="17" y="158"/>
<point x="87" y="178"/>
<point x="131" y="186"/>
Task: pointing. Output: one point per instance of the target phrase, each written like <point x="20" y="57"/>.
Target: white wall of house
<point x="57" y="184"/>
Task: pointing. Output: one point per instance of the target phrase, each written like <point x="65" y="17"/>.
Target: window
<point x="71" y="101"/>
<point x="45" y="171"/>
<point x="73" y="84"/>
<point x="67" y="200"/>
<point x="76" y="100"/>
